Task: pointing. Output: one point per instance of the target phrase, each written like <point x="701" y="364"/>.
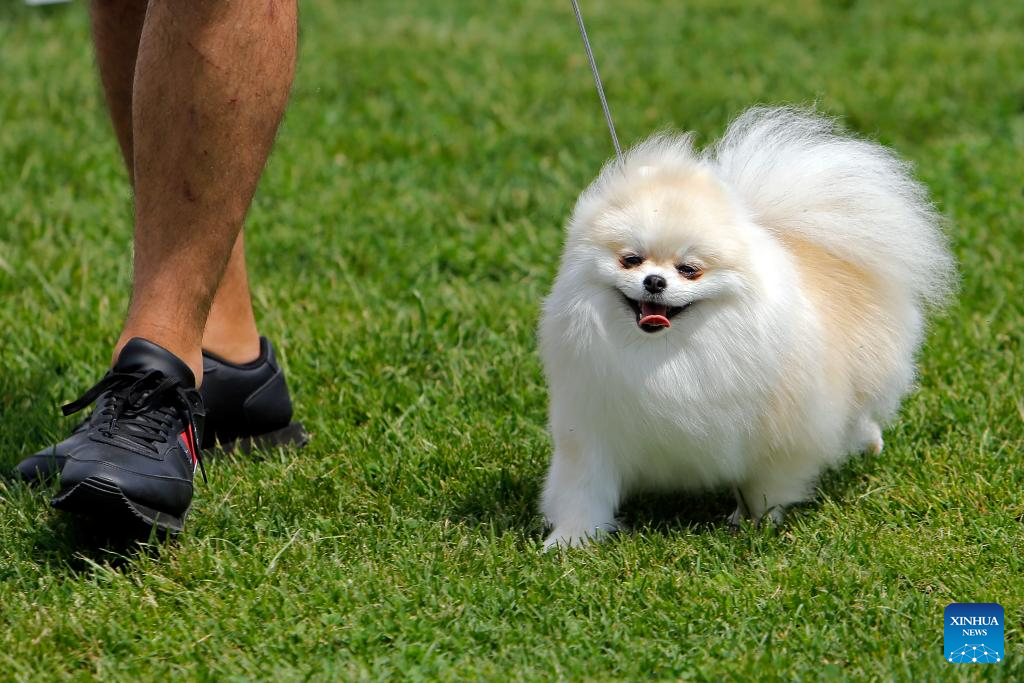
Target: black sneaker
<point x="247" y="407"/>
<point x="135" y="460"/>
<point x="247" y="404"/>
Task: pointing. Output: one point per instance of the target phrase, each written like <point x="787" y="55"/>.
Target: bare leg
<point x="117" y="29"/>
<point x="231" y="326"/>
<point x="211" y="82"/>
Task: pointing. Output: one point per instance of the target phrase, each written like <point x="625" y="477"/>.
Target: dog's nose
<point x="655" y="283"/>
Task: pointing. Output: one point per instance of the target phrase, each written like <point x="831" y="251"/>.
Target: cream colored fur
<point x="820" y="256"/>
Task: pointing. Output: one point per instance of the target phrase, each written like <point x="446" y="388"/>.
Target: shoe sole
<point x="102" y="499"/>
<point x="292" y="435"/>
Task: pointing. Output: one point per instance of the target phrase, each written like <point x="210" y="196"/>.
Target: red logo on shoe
<point x="188" y="443"/>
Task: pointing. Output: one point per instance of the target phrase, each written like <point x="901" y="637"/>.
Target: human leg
<point x="211" y="81"/>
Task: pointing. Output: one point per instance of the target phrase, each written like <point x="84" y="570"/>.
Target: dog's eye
<point x="689" y="271"/>
<point x="631" y="260"/>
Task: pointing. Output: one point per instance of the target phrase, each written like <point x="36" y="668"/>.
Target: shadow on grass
<point x="72" y="545"/>
<point x="661" y="512"/>
<point x="708" y="512"/>
<point x="506" y="500"/>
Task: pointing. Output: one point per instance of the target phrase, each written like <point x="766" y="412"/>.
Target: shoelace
<point x="139" y="406"/>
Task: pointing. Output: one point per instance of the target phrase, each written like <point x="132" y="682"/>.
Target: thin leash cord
<point x="597" y="81"/>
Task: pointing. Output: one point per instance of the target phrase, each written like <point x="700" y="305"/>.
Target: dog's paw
<point x="773" y="517"/>
<point x="565" y="537"/>
<point x="871" y="438"/>
<point x="735" y="520"/>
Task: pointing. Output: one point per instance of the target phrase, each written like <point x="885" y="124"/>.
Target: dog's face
<point x="662" y="244"/>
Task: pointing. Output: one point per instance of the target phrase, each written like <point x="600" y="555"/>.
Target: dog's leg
<point x="870" y="436"/>
<point x="775" y="486"/>
<point x="740" y="513"/>
<point x="580" y="496"/>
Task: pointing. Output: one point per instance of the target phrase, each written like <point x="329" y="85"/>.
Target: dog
<point x="745" y="316"/>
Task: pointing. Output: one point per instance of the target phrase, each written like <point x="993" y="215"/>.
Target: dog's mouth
<point x="652" y="316"/>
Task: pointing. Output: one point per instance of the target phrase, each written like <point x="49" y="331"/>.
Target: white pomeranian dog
<point x="744" y="317"/>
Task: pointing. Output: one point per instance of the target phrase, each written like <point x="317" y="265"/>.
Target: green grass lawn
<point x="406" y="229"/>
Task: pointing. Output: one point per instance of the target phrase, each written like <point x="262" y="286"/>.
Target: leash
<point x="597" y="82"/>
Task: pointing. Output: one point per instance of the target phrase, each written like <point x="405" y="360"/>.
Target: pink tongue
<point x="653" y="314"/>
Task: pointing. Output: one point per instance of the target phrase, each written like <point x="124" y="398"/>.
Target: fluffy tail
<point x="800" y="175"/>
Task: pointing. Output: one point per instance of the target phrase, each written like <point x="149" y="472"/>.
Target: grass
<point x="406" y="229"/>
